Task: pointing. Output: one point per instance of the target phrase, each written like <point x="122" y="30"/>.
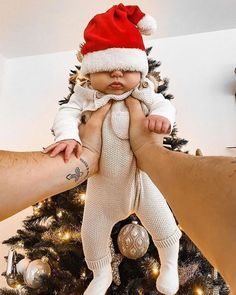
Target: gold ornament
<point x="133" y="240"/>
<point x="14" y="280"/>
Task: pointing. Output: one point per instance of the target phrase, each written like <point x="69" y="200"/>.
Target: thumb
<point x="100" y="114"/>
<point x="137" y="116"/>
<point x="135" y="109"/>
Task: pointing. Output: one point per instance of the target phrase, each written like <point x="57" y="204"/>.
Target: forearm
<point x="202" y="194"/>
<point x="28" y="177"/>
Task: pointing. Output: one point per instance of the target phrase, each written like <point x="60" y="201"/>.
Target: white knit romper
<point x="119" y="189"/>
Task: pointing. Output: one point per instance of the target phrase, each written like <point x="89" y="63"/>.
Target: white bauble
<point x="35" y="270"/>
<point x="22" y="265"/>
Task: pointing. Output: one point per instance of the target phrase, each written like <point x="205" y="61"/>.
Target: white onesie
<point x="120" y="188"/>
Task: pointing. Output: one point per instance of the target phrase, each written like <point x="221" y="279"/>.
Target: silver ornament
<point x="35" y="270"/>
<point x="22" y="265"/>
<point x="133" y="240"/>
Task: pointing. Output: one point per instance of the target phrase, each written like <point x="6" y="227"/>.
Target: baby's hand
<point x="68" y="146"/>
<point x="157" y="124"/>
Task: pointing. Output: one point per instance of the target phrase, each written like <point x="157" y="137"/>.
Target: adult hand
<point x="140" y="137"/>
<point x="90" y="133"/>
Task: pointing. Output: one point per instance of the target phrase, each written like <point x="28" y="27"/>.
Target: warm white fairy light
<point x="59" y="213"/>
<point x="198" y="291"/>
<point x="82" y="197"/>
<point x="36" y="211"/>
<point x="155" y="270"/>
<point x="65" y="236"/>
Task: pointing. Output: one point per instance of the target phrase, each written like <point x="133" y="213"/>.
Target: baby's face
<point x="115" y="82"/>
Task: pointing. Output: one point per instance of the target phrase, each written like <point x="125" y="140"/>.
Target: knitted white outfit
<point x="120" y="188"/>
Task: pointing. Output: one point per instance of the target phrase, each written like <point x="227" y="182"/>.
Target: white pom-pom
<point x="147" y="25"/>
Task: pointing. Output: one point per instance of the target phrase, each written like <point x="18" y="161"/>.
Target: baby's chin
<point x="117" y="91"/>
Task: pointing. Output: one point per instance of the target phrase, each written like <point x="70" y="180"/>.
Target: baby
<point x="115" y="65"/>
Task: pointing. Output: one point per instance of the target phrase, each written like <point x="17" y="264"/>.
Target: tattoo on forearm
<point x="78" y="173"/>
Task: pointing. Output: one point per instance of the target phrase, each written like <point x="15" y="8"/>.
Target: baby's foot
<point x="168" y="281"/>
<point x="101" y="282"/>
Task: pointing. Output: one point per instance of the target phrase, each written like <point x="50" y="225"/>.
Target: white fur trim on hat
<point x="147" y="25"/>
<point x="126" y="59"/>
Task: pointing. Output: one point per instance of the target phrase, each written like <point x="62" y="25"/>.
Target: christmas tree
<point x="46" y="257"/>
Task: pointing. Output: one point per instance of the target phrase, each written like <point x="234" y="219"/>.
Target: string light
<point x="140" y="291"/>
<point x="155" y="270"/>
<point x="82" y="197"/>
<point x="64" y="236"/>
<point x="83" y="275"/>
<point x="198" y="291"/>
<point x="59" y="213"/>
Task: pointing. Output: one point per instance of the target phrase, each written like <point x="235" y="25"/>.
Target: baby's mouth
<point x="116" y="85"/>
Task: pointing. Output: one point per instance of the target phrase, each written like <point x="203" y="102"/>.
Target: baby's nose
<point x="116" y="73"/>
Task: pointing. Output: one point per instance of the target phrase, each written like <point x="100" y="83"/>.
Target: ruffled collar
<point x="92" y="99"/>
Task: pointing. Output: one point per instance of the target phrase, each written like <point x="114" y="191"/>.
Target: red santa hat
<point x="113" y="41"/>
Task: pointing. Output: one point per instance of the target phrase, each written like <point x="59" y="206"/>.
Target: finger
<point x="68" y="151"/>
<point x="158" y="127"/>
<point x="165" y="127"/>
<point x="135" y="108"/>
<point x="78" y="151"/>
<point x="101" y="112"/>
<point x="59" y="148"/>
<point x="50" y="147"/>
<point x="151" y="125"/>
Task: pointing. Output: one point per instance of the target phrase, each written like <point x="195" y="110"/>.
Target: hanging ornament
<point x="13" y="279"/>
<point x="34" y="272"/>
<point x="133" y="240"/>
<point x="22" y="265"/>
<point x="10" y="262"/>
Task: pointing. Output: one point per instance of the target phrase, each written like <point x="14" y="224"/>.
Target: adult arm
<point x="200" y="190"/>
<point x="29" y="177"/>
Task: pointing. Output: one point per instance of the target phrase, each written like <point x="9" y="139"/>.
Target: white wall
<point x="32" y="89"/>
<point x="201" y="72"/>
<point x="2" y="70"/>
<point x="202" y="79"/>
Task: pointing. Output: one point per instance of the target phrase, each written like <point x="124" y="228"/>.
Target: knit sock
<point x="102" y="280"/>
<point x="168" y="280"/>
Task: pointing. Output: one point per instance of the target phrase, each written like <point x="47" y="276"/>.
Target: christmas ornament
<point x="34" y="272"/>
<point x="22" y="265"/>
<point x="14" y="280"/>
<point x="12" y="277"/>
<point x="10" y="262"/>
<point x="133" y="240"/>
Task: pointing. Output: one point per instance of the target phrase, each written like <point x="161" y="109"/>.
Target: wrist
<point x="92" y="159"/>
<point x="144" y="155"/>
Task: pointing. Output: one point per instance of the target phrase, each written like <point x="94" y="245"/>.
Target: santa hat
<point x="113" y="41"/>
